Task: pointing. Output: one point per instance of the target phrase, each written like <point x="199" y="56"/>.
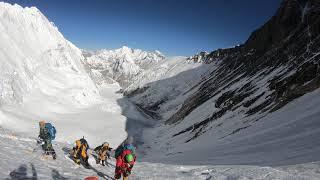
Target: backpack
<point x="118" y="151"/>
<point x="98" y="148"/>
<point x="129" y="147"/>
<point x="123" y="147"/>
<point x="84" y="142"/>
<point x="51" y="130"/>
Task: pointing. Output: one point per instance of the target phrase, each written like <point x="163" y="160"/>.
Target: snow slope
<point x="287" y="137"/>
<point x="19" y="161"/>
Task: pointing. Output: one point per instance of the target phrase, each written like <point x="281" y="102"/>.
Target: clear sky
<point x="175" y="27"/>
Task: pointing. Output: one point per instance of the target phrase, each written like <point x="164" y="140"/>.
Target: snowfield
<point x="45" y="77"/>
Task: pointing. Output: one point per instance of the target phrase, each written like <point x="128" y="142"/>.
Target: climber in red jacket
<point x="124" y="164"/>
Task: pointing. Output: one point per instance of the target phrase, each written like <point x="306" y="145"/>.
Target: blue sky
<point x="175" y="27"/>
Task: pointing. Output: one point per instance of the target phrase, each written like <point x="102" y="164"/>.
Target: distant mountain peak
<point x="125" y="48"/>
<point x="121" y="64"/>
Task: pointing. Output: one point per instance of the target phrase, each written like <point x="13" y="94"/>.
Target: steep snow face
<point x="120" y="65"/>
<point x="35" y="56"/>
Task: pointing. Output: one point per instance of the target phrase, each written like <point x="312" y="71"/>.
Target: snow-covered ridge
<point x="120" y="65"/>
<point x="35" y="55"/>
<point x="130" y="54"/>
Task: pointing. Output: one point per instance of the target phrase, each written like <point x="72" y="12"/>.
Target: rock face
<point x="119" y="65"/>
<point x="288" y="44"/>
<point x="287" y="18"/>
<point x="277" y="64"/>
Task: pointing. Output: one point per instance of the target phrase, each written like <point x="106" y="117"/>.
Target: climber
<point x="79" y="152"/>
<point x="125" y="155"/>
<point x="103" y="152"/>
<point x="46" y="135"/>
<point x="124" y="164"/>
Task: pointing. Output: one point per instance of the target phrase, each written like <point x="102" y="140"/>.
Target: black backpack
<point x="83" y="141"/>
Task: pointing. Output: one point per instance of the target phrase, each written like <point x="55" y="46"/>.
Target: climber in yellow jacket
<point x="79" y="152"/>
<point x="103" y="152"/>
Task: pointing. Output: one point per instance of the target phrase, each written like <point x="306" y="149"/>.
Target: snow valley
<point x="247" y="112"/>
